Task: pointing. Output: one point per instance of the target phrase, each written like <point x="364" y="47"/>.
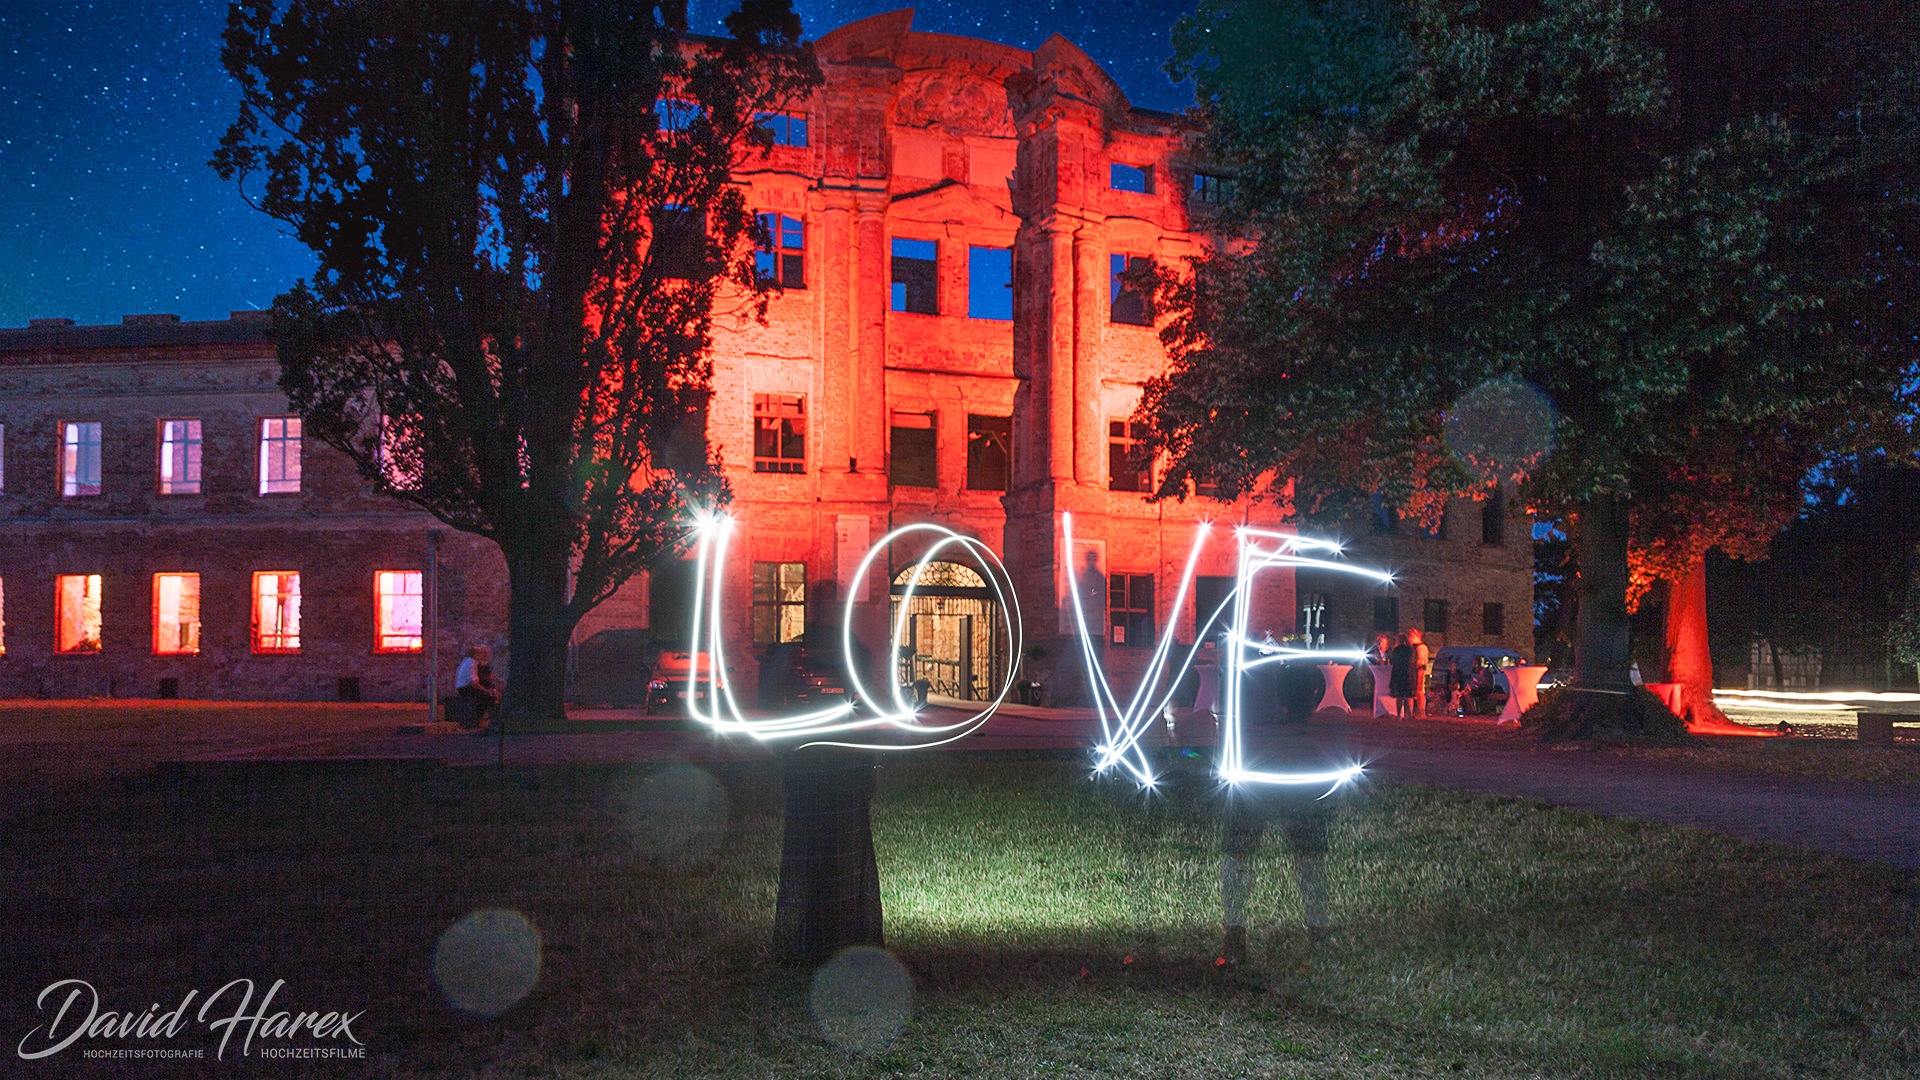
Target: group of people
<point x="1409" y="664"/>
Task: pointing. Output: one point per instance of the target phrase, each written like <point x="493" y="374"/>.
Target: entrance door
<point x="955" y="638"/>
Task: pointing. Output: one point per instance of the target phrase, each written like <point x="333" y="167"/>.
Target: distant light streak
<point x="1827" y="695"/>
<point x="1121" y="727"/>
<point x="722" y="710"/>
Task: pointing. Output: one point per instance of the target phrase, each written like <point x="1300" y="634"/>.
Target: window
<point x="1123" y="472"/>
<point x="1212" y="190"/>
<point x="676" y="114"/>
<point x="1129" y="306"/>
<point x="1386" y="517"/>
<point x="1130" y="610"/>
<point x="679" y="245"/>
<point x="80" y="458"/>
<point x="1206" y="484"/>
<point x="179" y="457"/>
<point x="989" y="453"/>
<point x="1386" y="614"/>
<point x="397" y="608"/>
<point x="3" y="618"/>
<point x="1493" y="519"/>
<point x="911" y="460"/>
<point x="779" y="602"/>
<point x="1493" y="619"/>
<point x="76" y="613"/>
<point x="1135" y="178"/>
<point x="176" y="614"/>
<point x="276" y="611"/>
<point x="1433" y="616"/>
<point x="990" y="283"/>
<point x="1210" y="592"/>
<point x="782" y="258"/>
<point x="787" y="129"/>
<point x="3" y="464"/>
<point x="279" y="455"/>
<point x="780" y="433"/>
<point x="916" y="276"/>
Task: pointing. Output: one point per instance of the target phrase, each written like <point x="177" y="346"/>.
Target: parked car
<point x="667" y="689"/>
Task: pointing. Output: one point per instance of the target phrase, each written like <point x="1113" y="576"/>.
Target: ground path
<point x="1878" y="822"/>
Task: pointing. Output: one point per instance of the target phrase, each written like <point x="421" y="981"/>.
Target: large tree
<point x="1687" y="224"/>
<point x="523" y="218"/>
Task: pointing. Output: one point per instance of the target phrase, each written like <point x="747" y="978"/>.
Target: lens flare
<point x="488" y="961"/>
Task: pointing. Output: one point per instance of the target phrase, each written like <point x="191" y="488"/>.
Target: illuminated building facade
<point x="953" y="343"/>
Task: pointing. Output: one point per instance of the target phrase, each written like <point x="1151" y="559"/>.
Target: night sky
<point x="109" y="111"/>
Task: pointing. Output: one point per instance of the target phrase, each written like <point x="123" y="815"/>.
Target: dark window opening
<point x="780" y="433"/>
<point x="916" y="276"/>
<point x="1129" y="305"/>
<point x="1386" y="519"/>
<point x="989" y="453"/>
<point x="990" y="283"/>
<point x="679" y="243"/>
<point x="1124" y="471"/>
<point x="1130" y="610"/>
<point x="912" y="460"/>
<point x="1433" y="616"/>
<point x="1493" y="619"/>
<point x="1134" y="178"/>
<point x="1493" y="518"/>
<point x="1210" y="594"/>
<point x="1386" y="614"/>
<point x="1312" y="623"/>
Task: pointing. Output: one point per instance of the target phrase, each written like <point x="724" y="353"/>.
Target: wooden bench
<point x="1876" y="728"/>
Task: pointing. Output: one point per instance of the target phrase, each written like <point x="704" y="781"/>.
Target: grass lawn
<point x="1479" y="937"/>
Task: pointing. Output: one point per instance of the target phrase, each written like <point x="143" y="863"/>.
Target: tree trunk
<point x="1601" y="658"/>
<point x="1689" y="660"/>
<point x="537" y="631"/>
<point x="829" y="880"/>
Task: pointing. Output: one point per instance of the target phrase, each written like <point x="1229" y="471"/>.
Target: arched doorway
<point x="955" y="637"/>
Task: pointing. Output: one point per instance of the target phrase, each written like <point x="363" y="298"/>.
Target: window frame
<point x="1126" y="619"/>
<point x="784" y="262"/>
<point x="778" y="463"/>
<point x="256" y="638"/>
<point x="198" y="622"/>
<point x="1118" y="264"/>
<point x="1211" y="189"/>
<point x="194" y="459"/>
<point x="380" y="612"/>
<point x="296" y="440"/>
<point x="760" y="120"/>
<point x="1493" y="618"/>
<point x="95" y="582"/>
<point x="1493" y="518"/>
<point x="1429" y="608"/>
<point x="778" y="604"/>
<point x="1390" y="605"/>
<point x="99" y="460"/>
<point x="1123" y="442"/>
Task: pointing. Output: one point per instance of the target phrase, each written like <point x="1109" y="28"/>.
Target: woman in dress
<point x="1400" y="668"/>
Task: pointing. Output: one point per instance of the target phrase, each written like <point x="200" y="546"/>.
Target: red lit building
<point x="953" y="344"/>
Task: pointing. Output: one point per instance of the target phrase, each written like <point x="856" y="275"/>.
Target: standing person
<point x="1301" y="813"/>
<point x="1422" y="669"/>
<point x="1401" y="675"/>
<point x="474" y="681"/>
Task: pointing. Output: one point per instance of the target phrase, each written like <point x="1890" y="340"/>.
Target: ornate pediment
<point x="953" y="203"/>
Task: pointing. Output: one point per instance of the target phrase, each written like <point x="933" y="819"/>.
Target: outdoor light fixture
<point x="898" y="728"/>
<point x="1121" y="727"/>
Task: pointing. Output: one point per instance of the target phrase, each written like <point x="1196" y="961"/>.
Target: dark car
<point x="805" y="677"/>
<point x="667" y="689"/>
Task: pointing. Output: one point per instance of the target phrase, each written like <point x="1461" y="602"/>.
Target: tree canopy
<point x="1689" y="225"/>
<point x="523" y="217"/>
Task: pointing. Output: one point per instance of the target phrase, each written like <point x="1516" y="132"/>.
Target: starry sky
<point x="109" y="111"/>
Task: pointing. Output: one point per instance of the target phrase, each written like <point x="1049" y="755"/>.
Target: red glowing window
<point x="780" y="433"/>
<point x="397" y="611"/>
<point x="276" y="611"/>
